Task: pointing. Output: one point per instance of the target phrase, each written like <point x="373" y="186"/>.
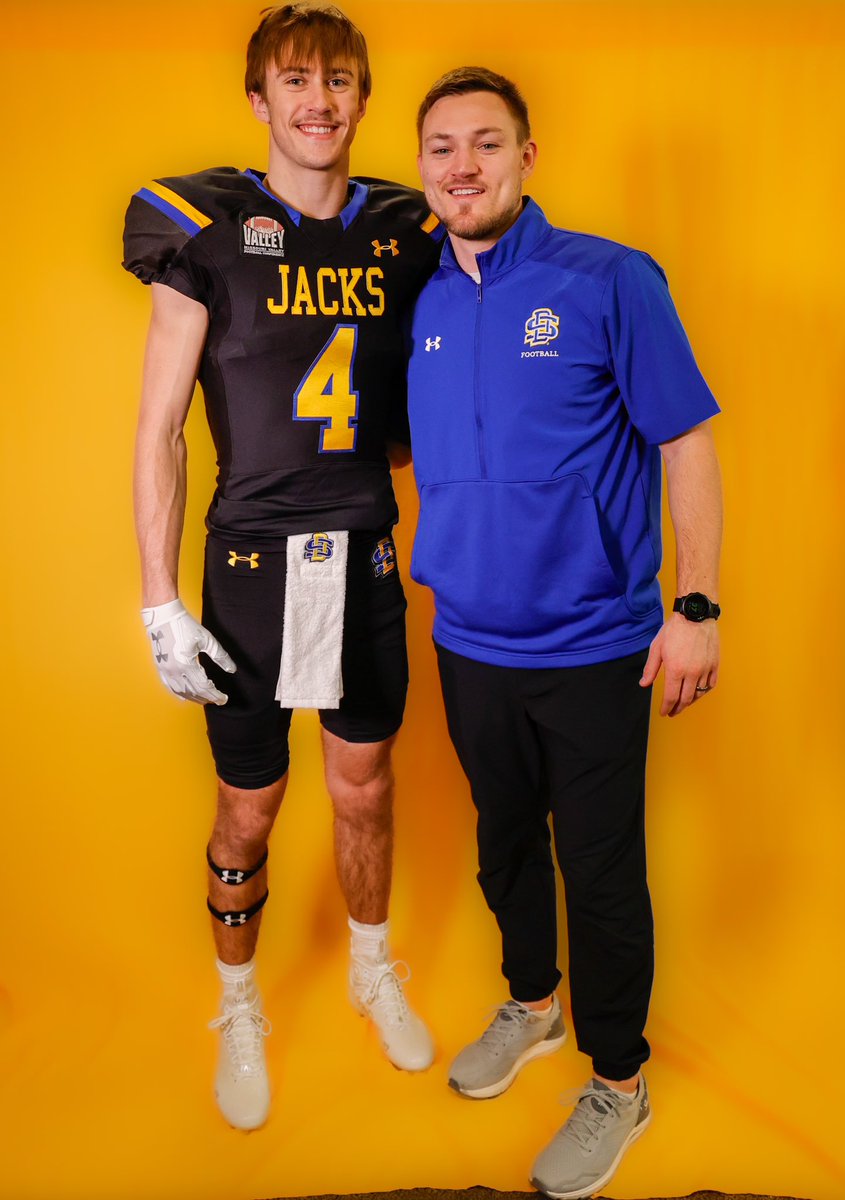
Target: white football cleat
<point x="375" y="991"/>
<point x="241" y="1084"/>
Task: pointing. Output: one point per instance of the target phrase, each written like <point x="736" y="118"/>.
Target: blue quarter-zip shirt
<point x="537" y="400"/>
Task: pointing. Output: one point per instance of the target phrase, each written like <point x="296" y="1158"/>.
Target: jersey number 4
<point x="325" y="393"/>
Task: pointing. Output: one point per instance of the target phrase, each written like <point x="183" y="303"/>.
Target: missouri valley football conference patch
<point x="264" y="236"/>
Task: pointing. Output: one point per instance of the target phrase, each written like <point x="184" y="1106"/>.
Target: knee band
<point x="230" y="876"/>
<point x="238" y="917"/>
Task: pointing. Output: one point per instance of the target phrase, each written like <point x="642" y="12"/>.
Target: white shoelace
<point x="243" y="1027"/>
<point x="381" y="987"/>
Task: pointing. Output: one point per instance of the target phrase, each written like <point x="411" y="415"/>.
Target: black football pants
<point x="572" y="742"/>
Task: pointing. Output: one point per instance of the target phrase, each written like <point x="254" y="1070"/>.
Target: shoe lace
<point x="242" y="1026"/>
<point x="508" y="1020"/>
<point x="382" y="986"/>
<point x="593" y="1108"/>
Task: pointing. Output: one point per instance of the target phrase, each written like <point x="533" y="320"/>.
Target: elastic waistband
<point x="278" y="545"/>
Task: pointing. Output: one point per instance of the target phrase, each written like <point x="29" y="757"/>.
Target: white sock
<point x="369" y="942"/>
<point x="542" y="1012"/>
<point x="238" y="979"/>
<point x="627" y="1095"/>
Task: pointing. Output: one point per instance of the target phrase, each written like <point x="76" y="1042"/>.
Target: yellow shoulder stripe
<point x="178" y="202"/>
<point x="430" y="223"/>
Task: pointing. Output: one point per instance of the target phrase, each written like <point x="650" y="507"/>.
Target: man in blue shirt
<point x="549" y="377"/>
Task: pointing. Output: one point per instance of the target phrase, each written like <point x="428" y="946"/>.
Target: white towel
<point x="315" y="596"/>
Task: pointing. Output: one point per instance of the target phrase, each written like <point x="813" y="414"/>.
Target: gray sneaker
<point x="516" y="1035"/>
<point x="582" y="1156"/>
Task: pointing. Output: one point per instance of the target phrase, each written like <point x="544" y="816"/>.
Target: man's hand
<point x="688" y="651"/>
<point x="176" y="640"/>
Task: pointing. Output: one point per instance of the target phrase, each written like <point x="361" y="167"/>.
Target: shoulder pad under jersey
<point x="163" y="216"/>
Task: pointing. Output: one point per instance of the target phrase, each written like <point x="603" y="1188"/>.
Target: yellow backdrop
<point x="709" y="134"/>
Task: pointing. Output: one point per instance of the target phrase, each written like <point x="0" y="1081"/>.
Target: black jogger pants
<point x="569" y="741"/>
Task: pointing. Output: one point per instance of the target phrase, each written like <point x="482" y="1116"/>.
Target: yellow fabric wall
<point x="707" y="133"/>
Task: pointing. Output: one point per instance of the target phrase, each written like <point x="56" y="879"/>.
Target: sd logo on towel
<point x="319" y="547"/>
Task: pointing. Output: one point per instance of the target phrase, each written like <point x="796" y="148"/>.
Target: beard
<point x="479" y="227"/>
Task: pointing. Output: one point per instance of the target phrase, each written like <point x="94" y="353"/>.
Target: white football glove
<point x="176" y="640"/>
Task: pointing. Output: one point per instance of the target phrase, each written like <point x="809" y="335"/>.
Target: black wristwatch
<point x="696" y="607"/>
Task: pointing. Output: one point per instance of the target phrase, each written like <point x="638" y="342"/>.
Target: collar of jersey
<point x="522" y="239"/>
<point x="347" y="215"/>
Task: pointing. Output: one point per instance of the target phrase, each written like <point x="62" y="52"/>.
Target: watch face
<point x="696" y="607"/>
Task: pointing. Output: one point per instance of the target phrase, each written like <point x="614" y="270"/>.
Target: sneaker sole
<point x="540" y="1050"/>
<point x="595" y="1188"/>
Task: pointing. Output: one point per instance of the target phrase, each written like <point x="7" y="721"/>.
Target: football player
<point x="282" y="291"/>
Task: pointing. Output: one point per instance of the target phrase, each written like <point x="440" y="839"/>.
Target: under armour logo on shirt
<point x="391" y="247"/>
<point x="432" y="343"/>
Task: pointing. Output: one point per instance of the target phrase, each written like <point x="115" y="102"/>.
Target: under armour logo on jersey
<point x="319" y="547"/>
<point x="379" y="249"/>
<point x="252" y="559"/>
<point x="156" y="638"/>
<point x="542" y="327"/>
<point x="384" y="557"/>
<point x="432" y="343"/>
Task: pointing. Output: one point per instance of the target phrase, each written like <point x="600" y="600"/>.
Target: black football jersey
<point x="303" y="369"/>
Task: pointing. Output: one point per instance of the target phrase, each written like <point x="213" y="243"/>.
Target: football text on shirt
<point x="331" y="291"/>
